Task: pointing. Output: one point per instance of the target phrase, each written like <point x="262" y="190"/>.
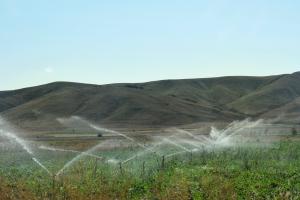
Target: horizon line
<point x="142" y="82"/>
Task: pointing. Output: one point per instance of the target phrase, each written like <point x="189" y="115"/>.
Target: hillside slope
<point x="159" y="103"/>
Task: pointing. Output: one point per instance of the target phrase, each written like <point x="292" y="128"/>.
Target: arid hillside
<point x="159" y="103"/>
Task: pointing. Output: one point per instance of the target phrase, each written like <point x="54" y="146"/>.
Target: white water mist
<point x="21" y="142"/>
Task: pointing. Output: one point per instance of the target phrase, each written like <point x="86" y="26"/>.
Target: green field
<point x="254" y="171"/>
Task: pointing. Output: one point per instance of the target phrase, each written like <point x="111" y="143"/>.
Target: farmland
<point x="252" y="171"/>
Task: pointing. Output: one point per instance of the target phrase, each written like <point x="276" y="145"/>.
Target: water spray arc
<point x="201" y="139"/>
<point x="68" y="150"/>
<point x="25" y="147"/>
<point x="225" y="136"/>
<point x="143" y="152"/>
<point x="175" y="154"/>
<point x="105" y="130"/>
<point x="216" y="137"/>
<point x="176" y="144"/>
<point x="79" y="156"/>
<point x="117" y="133"/>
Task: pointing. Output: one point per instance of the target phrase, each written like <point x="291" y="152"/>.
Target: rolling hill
<point x="158" y="103"/>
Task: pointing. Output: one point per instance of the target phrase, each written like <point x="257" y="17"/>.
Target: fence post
<point x="121" y="169"/>
<point x="163" y="162"/>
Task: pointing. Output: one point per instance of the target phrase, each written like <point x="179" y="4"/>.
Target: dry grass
<point x="14" y="192"/>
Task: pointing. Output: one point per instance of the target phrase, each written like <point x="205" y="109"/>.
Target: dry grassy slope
<point x="290" y="112"/>
<point x="161" y="103"/>
<point x="282" y="90"/>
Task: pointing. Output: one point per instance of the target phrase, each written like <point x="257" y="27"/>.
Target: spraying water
<point x="98" y="128"/>
<point x="227" y="136"/>
<point x="216" y="138"/>
<point x="203" y="140"/>
<point x="68" y="150"/>
<point x="142" y="152"/>
<point x="79" y="156"/>
<point x="113" y="161"/>
<point x="68" y="164"/>
<point x="192" y="143"/>
<point x="175" y="154"/>
<point x="176" y="144"/>
<point x="117" y="133"/>
<point x="41" y="165"/>
<point x="224" y="137"/>
<point x="24" y="146"/>
<point x="105" y="130"/>
<point x="18" y="140"/>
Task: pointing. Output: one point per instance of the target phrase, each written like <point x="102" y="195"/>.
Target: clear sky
<point x="108" y="41"/>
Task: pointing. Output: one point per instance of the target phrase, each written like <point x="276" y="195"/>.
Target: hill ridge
<point x="156" y="103"/>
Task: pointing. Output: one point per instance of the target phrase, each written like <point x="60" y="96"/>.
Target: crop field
<point x="237" y="162"/>
<point x="241" y="172"/>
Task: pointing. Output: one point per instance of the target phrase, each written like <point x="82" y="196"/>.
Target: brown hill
<point x="159" y="103"/>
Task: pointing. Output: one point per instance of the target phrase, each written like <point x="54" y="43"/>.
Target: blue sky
<point x="108" y="41"/>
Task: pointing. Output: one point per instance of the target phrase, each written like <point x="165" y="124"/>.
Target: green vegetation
<point x="269" y="172"/>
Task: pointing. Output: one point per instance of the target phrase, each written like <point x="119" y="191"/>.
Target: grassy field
<point x="252" y="172"/>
